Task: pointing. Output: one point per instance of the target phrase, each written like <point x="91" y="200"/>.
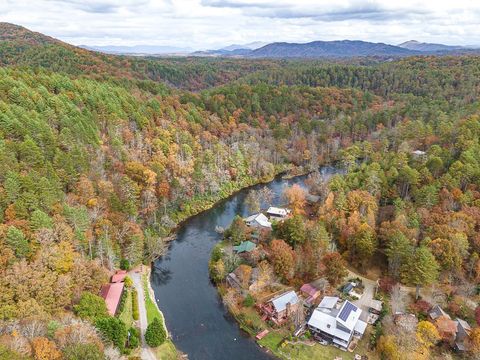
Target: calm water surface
<point x="199" y="323"/>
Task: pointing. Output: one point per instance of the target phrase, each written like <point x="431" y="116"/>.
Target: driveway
<point x="368" y="293"/>
<point x="146" y="353"/>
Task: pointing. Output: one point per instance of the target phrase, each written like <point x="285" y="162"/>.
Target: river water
<point x="195" y="316"/>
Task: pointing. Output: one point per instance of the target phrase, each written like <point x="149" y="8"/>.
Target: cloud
<point x="203" y="24"/>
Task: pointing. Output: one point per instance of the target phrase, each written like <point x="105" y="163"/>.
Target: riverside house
<point x="280" y="308"/>
<point x="336" y="323"/>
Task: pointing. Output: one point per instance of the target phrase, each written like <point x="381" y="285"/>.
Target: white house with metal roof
<point x="278" y="213"/>
<point x="258" y="220"/>
<point x="336" y="323"/>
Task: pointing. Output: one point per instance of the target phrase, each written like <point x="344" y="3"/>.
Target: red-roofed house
<point x="112" y="294"/>
<point x="310" y="293"/>
<point x="119" y="276"/>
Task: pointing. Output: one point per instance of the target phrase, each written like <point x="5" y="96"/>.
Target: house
<point x="310" y="293"/>
<point x="245" y="246"/>
<point x="112" y="293"/>
<point x="463" y="333"/>
<point x="119" y="276"/>
<point x="436" y="311"/>
<point x="337" y="324"/>
<point x="258" y="220"/>
<point x="280" y="308"/>
<point x="277" y="213"/>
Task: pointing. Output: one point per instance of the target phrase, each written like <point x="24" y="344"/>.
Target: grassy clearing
<point x="126" y="314"/>
<point x="150" y="306"/>
<point x="166" y="351"/>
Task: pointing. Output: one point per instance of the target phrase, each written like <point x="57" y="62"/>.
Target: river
<point x="195" y="316"/>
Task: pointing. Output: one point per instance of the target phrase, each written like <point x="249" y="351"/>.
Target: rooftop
<point x="261" y="219"/>
<point x="280" y="302"/>
<point x="245" y="246"/>
<point x="112" y="293"/>
<point x="277" y="211"/>
<point x="119" y="276"/>
<point x="328" y="302"/>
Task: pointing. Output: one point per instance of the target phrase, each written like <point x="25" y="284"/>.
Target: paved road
<point x="147" y="353"/>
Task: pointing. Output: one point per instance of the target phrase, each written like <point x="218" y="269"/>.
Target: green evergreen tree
<point x="155" y="334"/>
<point x="17" y="242"/>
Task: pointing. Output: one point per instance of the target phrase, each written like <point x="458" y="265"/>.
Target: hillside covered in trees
<point x="101" y="156"/>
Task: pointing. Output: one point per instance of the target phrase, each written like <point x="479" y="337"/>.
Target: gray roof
<point x="375" y="304"/>
<point x="328" y="302"/>
<point x="437" y="311"/>
<point x="463" y="324"/>
<point x="260" y="219"/>
<point x="328" y="324"/>
<point x="280" y="302"/>
<point x="360" y="327"/>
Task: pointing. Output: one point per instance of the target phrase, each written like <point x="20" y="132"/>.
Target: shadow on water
<point x="194" y="313"/>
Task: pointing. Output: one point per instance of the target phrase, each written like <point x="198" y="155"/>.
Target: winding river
<point x="195" y="316"/>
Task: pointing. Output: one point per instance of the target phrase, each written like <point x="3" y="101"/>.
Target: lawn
<point x="304" y="352"/>
<point x="126" y="315"/>
<point x="166" y="351"/>
<point x="150" y="306"/>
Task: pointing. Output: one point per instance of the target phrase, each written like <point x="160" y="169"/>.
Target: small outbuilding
<point x="310" y="293"/>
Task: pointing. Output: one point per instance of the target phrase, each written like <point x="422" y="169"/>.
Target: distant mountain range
<point x="428" y="47"/>
<point x="336" y="49"/>
<point x="139" y="49"/>
<point x="316" y="49"/>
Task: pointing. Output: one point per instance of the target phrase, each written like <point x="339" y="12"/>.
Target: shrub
<point x="249" y="301"/>
<point x="125" y="264"/>
<point x="155" y="334"/>
<point x="82" y="351"/>
<point x="91" y="307"/>
<point x="113" y="330"/>
<point x="134" y="338"/>
<point x="135" y="314"/>
<point x="128" y="282"/>
<point x="121" y="304"/>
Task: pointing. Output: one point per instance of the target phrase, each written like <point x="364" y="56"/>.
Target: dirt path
<point x="147" y="353"/>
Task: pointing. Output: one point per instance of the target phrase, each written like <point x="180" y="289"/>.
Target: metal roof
<point x="245" y="246"/>
<point x="328" y="302"/>
<point x="277" y="211"/>
<point x="280" y="302"/>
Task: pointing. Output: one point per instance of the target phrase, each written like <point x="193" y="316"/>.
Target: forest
<point x="101" y="157"/>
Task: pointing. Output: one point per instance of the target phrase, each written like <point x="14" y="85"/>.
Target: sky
<point x="209" y="24"/>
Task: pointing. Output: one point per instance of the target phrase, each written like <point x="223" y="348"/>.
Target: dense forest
<point x="102" y="155"/>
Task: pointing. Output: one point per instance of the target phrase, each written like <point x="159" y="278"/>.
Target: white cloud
<point x="213" y="23"/>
